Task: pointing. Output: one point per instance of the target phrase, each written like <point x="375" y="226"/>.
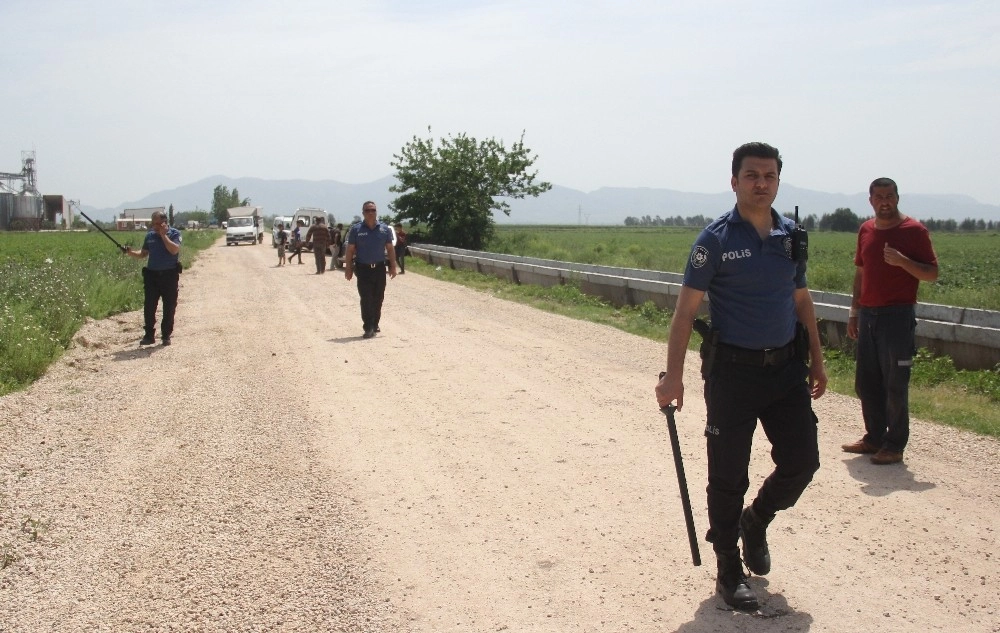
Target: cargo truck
<point x="245" y="224"/>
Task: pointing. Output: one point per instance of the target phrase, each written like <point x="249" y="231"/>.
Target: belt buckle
<point x="768" y="358"/>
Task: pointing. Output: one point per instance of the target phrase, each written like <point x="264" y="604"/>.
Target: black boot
<point x="731" y="583"/>
<point x="753" y="533"/>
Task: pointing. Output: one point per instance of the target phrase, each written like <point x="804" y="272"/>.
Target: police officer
<point x="758" y="294"/>
<point x="160" y="276"/>
<point x="369" y="245"/>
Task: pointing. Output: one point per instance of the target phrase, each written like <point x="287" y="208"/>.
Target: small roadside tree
<point x="454" y="189"/>
<point x="223" y="200"/>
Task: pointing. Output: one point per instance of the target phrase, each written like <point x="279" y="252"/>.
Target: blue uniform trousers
<point x="157" y="285"/>
<point x="371" y="289"/>
<point x="737" y="395"/>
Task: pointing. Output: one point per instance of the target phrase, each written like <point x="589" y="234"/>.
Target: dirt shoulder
<point x="478" y="466"/>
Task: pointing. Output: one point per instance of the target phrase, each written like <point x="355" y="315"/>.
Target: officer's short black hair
<point x="757" y="150"/>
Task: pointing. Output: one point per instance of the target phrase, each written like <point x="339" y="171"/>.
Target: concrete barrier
<point x="969" y="336"/>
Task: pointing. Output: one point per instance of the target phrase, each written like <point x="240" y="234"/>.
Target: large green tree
<point x="843" y="219"/>
<point x="454" y="188"/>
<point x="223" y="200"/>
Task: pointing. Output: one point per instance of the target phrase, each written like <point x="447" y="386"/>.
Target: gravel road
<point x="478" y="466"/>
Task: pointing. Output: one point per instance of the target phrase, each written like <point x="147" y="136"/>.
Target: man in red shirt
<point x="893" y="256"/>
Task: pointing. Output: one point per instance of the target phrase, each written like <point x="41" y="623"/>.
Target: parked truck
<point x="245" y="224"/>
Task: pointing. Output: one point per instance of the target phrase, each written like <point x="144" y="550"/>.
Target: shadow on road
<point x="347" y="339"/>
<point x="135" y="353"/>
<point x="714" y="615"/>
<point x="880" y="481"/>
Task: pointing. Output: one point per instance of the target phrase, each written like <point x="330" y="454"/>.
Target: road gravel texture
<point x="478" y="466"/>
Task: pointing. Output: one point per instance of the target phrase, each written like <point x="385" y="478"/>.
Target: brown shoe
<point x="862" y="447"/>
<point x="885" y="456"/>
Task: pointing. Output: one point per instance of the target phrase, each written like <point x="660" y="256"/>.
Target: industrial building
<point x="23" y="208"/>
<point x="136" y="219"/>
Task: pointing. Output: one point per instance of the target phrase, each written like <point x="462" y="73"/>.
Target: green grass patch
<point x="968" y="261"/>
<point x="50" y="283"/>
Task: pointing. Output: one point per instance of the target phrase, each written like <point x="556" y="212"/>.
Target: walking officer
<point x="751" y="264"/>
<point x="369" y="246"/>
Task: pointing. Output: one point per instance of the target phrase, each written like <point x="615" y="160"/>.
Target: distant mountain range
<point x="561" y="205"/>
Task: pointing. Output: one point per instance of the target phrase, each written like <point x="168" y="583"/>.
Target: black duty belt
<point x="756" y="357"/>
<point x="375" y="265"/>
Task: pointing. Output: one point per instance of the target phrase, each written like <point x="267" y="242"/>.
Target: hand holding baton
<point x="682" y="481"/>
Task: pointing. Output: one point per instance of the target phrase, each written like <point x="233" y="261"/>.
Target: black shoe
<point x="146" y="340"/>
<point x="753" y="534"/>
<point x="378" y="329"/>
<point x="369" y="334"/>
<point x="165" y="341"/>
<point x="731" y="583"/>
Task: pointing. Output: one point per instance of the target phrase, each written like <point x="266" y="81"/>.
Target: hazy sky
<point x="120" y="99"/>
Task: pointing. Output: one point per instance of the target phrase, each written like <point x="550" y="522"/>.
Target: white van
<point x="308" y="216"/>
<point x="283" y="221"/>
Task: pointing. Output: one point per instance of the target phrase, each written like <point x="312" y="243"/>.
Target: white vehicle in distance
<point x="245" y="224"/>
<point x="283" y="221"/>
<point x="308" y="216"/>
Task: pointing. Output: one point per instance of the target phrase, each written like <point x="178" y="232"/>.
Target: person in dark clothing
<point x="893" y="256"/>
<point x="282" y="241"/>
<point x="160" y="277"/>
<point x="400" y="247"/>
<point x="369" y="245"/>
<point x="297" y="241"/>
<point x="319" y="236"/>
<point x="756" y="369"/>
<point x="336" y="244"/>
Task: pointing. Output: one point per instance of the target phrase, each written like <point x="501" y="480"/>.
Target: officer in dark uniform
<point x="746" y="262"/>
<point x="160" y="276"/>
<point x="369" y="246"/>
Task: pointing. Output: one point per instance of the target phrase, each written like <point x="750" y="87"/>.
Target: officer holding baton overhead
<point x="160" y="276"/>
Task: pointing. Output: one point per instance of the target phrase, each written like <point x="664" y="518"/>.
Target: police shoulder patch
<point x="699" y="256"/>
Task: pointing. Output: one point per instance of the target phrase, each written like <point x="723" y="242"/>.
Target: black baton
<point x="675" y="444"/>
<point x="120" y="247"/>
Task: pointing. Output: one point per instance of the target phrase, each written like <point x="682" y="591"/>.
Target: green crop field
<point x="969" y="262"/>
<point x="51" y="282"/>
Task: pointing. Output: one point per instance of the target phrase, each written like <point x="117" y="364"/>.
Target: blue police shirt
<point x="369" y="243"/>
<point x="159" y="257"/>
<point x="750" y="282"/>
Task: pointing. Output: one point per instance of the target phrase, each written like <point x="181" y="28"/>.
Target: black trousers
<point x="886" y="347"/>
<point x="371" y="289"/>
<point x="320" y="254"/>
<point x="737" y="396"/>
<point x="400" y="257"/>
<point x="157" y="285"/>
